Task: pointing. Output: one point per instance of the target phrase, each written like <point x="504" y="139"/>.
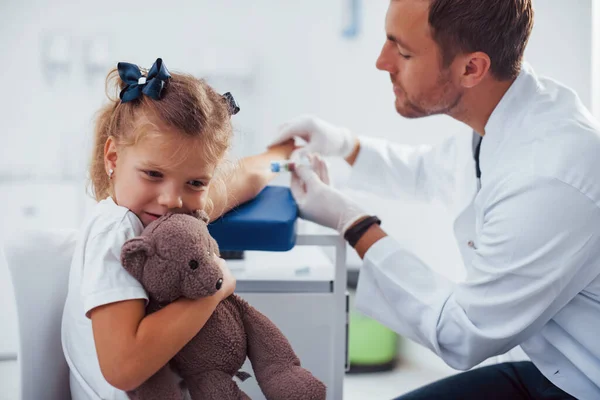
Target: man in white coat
<point x="529" y="220"/>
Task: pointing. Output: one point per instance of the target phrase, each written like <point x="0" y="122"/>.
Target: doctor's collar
<point x="507" y="113"/>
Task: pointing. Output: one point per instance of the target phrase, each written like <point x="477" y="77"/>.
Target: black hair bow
<point x="150" y="85"/>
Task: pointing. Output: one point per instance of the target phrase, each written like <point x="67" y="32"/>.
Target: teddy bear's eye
<point x="193" y="264"/>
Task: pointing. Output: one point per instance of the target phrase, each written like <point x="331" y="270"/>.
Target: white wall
<point x="279" y="58"/>
<point x="293" y="52"/>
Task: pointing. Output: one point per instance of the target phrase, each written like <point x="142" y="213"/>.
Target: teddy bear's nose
<point x="219" y="283"/>
<point x="193" y="264"/>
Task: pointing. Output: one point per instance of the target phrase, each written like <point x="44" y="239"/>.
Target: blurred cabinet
<point x="300" y="292"/>
<point x="307" y="321"/>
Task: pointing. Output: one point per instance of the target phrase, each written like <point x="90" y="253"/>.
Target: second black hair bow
<point x="234" y="108"/>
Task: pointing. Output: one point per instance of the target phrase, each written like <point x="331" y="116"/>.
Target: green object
<point x="370" y="343"/>
<point x="372" y="347"/>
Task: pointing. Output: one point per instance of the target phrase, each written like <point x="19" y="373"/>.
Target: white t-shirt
<point x="96" y="278"/>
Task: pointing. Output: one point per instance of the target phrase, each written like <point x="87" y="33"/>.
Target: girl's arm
<point x="249" y="177"/>
<point x="132" y="347"/>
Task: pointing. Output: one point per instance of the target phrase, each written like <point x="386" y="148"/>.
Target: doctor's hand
<point x="320" y="203"/>
<point x="321" y="137"/>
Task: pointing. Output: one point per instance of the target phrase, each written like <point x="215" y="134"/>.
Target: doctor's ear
<point x="475" y="67"/>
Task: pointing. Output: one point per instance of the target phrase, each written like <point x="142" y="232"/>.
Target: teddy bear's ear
<point x="201" y="215"/>
<point x="134" y="254"/>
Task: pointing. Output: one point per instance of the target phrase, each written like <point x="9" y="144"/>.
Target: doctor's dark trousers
<point x="506" y="381"/>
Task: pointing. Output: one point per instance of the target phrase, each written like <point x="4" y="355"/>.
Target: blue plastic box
<point x="266" y="223"/>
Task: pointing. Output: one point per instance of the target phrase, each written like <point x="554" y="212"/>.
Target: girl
<point x="158" y="148"/>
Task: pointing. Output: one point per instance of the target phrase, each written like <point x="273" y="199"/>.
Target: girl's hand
<point x="229" y="281"/>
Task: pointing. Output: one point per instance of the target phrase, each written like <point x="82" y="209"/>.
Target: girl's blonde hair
<point x="187" y="104"/>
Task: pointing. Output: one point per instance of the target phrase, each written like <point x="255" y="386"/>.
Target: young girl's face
<point x="159" y="174"/>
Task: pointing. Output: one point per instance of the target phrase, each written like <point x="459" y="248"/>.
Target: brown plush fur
<point x="173" y="258"/>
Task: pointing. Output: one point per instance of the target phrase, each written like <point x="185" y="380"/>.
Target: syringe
<point x="287" y="165"/>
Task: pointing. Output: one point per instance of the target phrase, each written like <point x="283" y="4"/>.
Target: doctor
<point x="528" y="201"/>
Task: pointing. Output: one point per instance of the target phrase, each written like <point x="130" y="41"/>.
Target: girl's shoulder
<point x="109" y="219"/>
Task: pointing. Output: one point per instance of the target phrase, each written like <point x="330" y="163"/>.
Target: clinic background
<point x="279" y="59"/>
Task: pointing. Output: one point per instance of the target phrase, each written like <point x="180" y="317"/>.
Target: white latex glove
<point x="321" y="137"/>
<point x="318" y="202"/>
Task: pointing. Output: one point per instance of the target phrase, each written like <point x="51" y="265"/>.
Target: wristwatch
<point x="356" y="231"/>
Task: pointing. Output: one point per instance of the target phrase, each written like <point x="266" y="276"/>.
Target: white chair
<point x="39" y="264"/>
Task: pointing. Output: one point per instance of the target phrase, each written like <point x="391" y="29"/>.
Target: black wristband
<point x="355" y="232"/>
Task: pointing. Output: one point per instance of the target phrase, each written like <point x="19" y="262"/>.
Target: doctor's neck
<point x="479" y="102"/>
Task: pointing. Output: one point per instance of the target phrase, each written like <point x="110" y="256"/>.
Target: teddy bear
<point x="173" y="258"/>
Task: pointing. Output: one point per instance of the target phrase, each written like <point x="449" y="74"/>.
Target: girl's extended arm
<point x="249" y="177"/>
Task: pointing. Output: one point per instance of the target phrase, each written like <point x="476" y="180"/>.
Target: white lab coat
<point x="528" y="233"/>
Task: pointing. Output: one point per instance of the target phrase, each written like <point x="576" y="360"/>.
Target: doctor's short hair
<point x="187" y="105"/>
<point x="499" y="28"/>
